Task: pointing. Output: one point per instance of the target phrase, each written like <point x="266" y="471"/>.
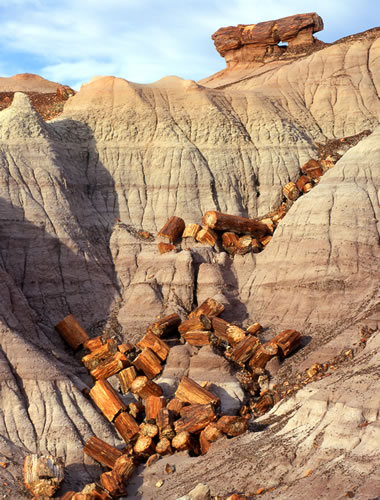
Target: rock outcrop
<point x="249" y="43"/>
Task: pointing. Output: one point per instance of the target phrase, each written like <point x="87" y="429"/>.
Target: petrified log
<point x="166" y="325"/>
<point x="207" y="236"/>
<point x="302" y="181"/>
<point x="163" y="447"/>
<point x="184" y="441"/>
<point x="291" y="191"/>
<point x="264" y="404"/>
<point x="210" y="307"/>
<point x="163" y="418"/>
<point x="124" y="468"/>
<point x="95" y="343"/>
<point x="125" y="348"/>
<point x="165" y="247"/>
<point x="110" y="366"/>
<point x="254" y="328"/>
<point x="172" y="229"/>
<point x="102" y="452"/>
<point x="144" y="387"/>
<point x="148" y="363"/>
<point x="235" y="334"/>
<point x="127" y="426"/>
<point x="71" y="332"/>
<point x="263" y="354"/>
<point x="235" y="223"/>
<point x="195" y="418"/>
<point x="191" y="231"/>
<point x="313" y="169"/>
<point x="150" y="430"/>
<point x="175" y="405"/>
<point x="106" y="399"/>
<point x="153" y="405"/>
<point x="153" y="342"/>
<point x="189" y="391"/>
<point x="197" y="338"/>
<point x="135" y="408"/>
<point x="126" y="378"/>
<point x="201" y="322"/>
<point x="112" y="483"/>
<point x="43" y="475"/>
<point x="245" y="349"/>
<point x="287" y="341"/>
<point x="220" y="326"/>
<point x="97" y="356"/>
<point x="144" y="446"/>
<point x="232" y="425"/>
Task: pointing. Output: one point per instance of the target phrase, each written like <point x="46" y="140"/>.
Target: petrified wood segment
<point x="150" y="430"/>
<point x="95" y="343"/>
<point x="183" y="441"/>
<point x="189" y="391"/>
<point x="220" y="327"/>
<point x="291" y="191"/>
<point x="172" y="229"/>
<point x="163" y="447"/>
<point x="207" y="236"/>
<point x="287" y="341"/>
<point x="302" y="182"/>
<point x="106" y="399"/>
<point x="126" y="426"/>
<point x="191" y="231"/>
<point x="235" y="334"/>
<point x="312" y="169"/>
<point x="43" y="475"/>
<point x="230" y="243"/>
<point x="254" y="328"/>
<point x="195" y="418"/>
<point x="97" y="356"/>
<point x="197" y="338"/>
<point x="102" y="452"/>
<point x="126" y="378"/>
<point x="124" y="468"/>
<point x="148" y="362"/>
<point x="153" y="342"/>
<point x="144" y="387"/>
<point x="112" y="483"/>
<point x="110" y="366"/>
<point x="166" y="325"/>
<point x="245" y="244"/>
<point x="153" y="405"/>
<point x="232" y="426"/>
<point x="197" y="323"/>
<point x="165" y="247"/>
<point x="263" y="354"/>
<point x="245" y="349"/>
<point x="210" y="307"/>
<point x="235" y="223"/>
<point x="135" y="408"/>
<point x="144" y="446"/>
<point x="267" y="239"/>
<point x="71" y="332"/>
<point x="92" y="491"/>
<point x="175" y="406"/>
<point x="164" y="418"/>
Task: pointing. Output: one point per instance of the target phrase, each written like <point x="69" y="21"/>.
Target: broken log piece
<point x="127" y="426"/>
<point x="269" y="223"/>
<point x="210" y="307"/>
<point x="163" y="447"/>
<point x="112" y="483"/>
<point x="254" y="328"/>
<point x="197" y="323"/>
<point x="167" y="325"/>
<point x="125" y="348"/>
<point x="95" y="343"/>
<point x="106" y="399"/>
<point x="287" y="341"/>
<point x="197" y="338"/>
<point x="235" y="334"/>
<point x="126" y="378"/>
<point x="312" y="169"/>
<point x="267" y="239"/>
<point x="189" y="391"/>
<point x="184" y="441"/>
<point x="245" y="244"/>
<point x="135" y="408"/>
<point x="204" y="443"/>
<point x="71" y="332"/>
<point x="124" y="468"/>
<point x="302" y="182"/>
<point x="175" y="405"/>
<point x="195" y="418"/>
<point x="220" y="326"/>
<point x="230" y="243"/>
<point x="150" y="430"/>
<point x="155" y="344"/>
<point x="235" y="223"/>
<point x="291" y="191"/>
<point x="97" y="356"/>
<point x="232" y="426"/>
<point x="191" y="231"/>
<point x="93" y="491"/>
<point x="263" y="354"/>
<point x="207" y="236"/>
<point x="102" y="452"/>
<point x="265" y="403"/>
<point x="164" y="418"/>
<point x="153" y="405"/>
<point x="209" y="435"/>
<point x="144" y="446"/>
<point x="148" y="362"/>
<point x="110" y="366"/>
<point x="245" y="349"/>
<point x="43" y="475"/>
<point x="255" y="246"/>
<point x="165" y="247"/>
<point x="172" y="229"/>
<point x="143" y="387"/>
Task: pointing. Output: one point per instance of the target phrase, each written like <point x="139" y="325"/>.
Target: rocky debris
<point x="247" y="43"/>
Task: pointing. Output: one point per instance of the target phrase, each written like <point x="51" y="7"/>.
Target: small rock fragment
<point x="159" y="483"/>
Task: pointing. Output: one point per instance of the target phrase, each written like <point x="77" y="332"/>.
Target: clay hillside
<point x="190" y="277"/>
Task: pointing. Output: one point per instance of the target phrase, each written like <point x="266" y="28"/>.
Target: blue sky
<point x="143" y="40"/>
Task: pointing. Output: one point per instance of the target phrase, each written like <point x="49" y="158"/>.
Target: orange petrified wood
<point x="102" y="452"/>
<point x="127" y="426"/>
<point x="189" y="391"/>
<point x="148" y="362"/>
<point x="71" y="331"/>
<point x="166" y="325"/>
<point x="210" y="307"/>
<point x="287" y="341"/>
<point x="172" y="229"/>
<point x="153" y="342"/>
<point x="106" y="399"/>
<point x="235" y="223"/>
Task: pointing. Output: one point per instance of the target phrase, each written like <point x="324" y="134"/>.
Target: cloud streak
<point x="144" y="40"/>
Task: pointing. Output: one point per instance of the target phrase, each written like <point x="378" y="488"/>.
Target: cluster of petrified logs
<point x="240" y="235"/>
<point x="152" y="426"/>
